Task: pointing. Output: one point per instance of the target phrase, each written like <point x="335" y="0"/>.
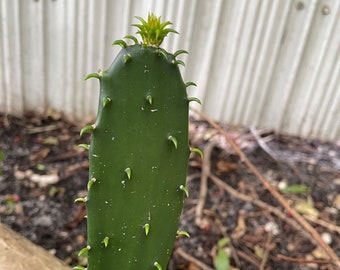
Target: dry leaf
<point x="306" y="208"/>
<point x="224" y="166"/>
<point x="240" y="230"/>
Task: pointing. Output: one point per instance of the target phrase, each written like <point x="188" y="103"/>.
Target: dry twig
<point x="199" y="221"/>
<point x="300" y="260"/>
<point x="266" y="252"/>
<point x="192" y="259"/>
<point x="263" y="145"/>
<point x="327" y="249"/>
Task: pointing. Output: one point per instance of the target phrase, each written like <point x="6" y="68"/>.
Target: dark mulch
<point x="43" y="171"/>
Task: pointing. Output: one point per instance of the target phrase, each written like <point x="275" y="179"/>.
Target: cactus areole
<point x="138" y="155"/>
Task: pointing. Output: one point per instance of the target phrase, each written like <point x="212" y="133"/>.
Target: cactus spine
<point x="138" y="155"/>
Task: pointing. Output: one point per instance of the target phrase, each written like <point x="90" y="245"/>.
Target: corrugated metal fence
<point x="262" y="63"/>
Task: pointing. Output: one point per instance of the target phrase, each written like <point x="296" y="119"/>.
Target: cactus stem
<point x="173" y="139"/>
<point x="177" y="53"/>
<point x="106" y="101"/>
<point x="92" y="75"/>
<point x="132" y="38"/>
<point x="184" y="189"/>
<point x="128" y="172"/>
<point x="91" y="182"/>
<point x="87" y="128"/>
<point x="180" y="233"/>
<point x="120" y="42"/>
<point x="79" y="267"/>
<point x="195" y="99"/>
<point x="159" y="267"/>
<point x="84" y="250"/>
<point x="146" y="228"/>
<point x="190" y="84"/>
<point x="162" y="52"/>
<point x="81" y="199"/>
<point x="127" y="57"/>
<point x="149" y="99"/>
<point x="197" y="150"/>
<point x="106" y="241"/>
<point x="178" y="62"/>
<point x="84" y="146"/>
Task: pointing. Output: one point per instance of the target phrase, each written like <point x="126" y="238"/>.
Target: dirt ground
<point x="229" y="215"/>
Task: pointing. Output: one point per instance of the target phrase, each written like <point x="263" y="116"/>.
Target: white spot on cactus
<point x="154" y="110"/>
<point x="113" y="138"/>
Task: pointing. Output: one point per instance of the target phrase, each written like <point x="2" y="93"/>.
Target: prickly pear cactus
<point x="138" y="155"/>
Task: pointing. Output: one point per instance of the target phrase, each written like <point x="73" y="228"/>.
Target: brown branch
<point x="300" y="260"/>
<point x="192" y="259"/>
<point x="203" y="185"/>
<point x="327" y="249"/>
<point x="266" y="252"/>
<point x="259" y="203"/>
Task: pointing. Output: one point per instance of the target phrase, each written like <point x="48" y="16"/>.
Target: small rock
<point x="44" y="180"/>
<point x="326" y="237"/>
<point x="45" y="221"/>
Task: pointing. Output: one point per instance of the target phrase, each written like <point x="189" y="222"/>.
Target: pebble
<point x="44" y="180"/>
<point x="45" y="221"/>
<point x="326" y="237"/>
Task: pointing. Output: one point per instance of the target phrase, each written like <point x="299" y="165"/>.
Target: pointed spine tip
<point x="158" y="266"/>
<point x="185" y="190"/>
<point x="120" y="42"/>
<point x="133" y="38"/>
<point x="106" y="241"/>
<point x="79" y="267"/>
<point x="178" y="62"/>
<point x="128" y="172"/>
<point x="84" y="250"/>
<point x="183" y="233"/>
<point x="84" y="146"/>
<point x="162" y="52"/>
<point x="195" y="99"/>
<point x="146" y="228"/>
<point x="149" y="99"/>
<point x="173" y="140"/>
<point x="196" y="150"/>
<point x="92" y="75"/>
<point x="87" y="128"/>
<point x="127" y="58"/>
<point x="91" y="182"/>
<point x="106" y="101"/>
<point x="190" y="84"/>
<point x="81" y="199"/>
<point x="177" y="53"/>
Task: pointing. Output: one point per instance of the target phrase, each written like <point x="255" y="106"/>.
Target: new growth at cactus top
<point x="138" y="155"/>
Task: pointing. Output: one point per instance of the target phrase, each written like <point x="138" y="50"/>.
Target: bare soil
<point x="43" y="171"/>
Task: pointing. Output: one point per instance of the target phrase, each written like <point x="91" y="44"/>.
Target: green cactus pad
<point x="138" y="156"/>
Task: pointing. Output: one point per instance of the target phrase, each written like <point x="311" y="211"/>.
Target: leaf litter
<point x="43" y="172"/>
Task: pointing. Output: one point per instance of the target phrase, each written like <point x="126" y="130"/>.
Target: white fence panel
<point x="259" y="63"/>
